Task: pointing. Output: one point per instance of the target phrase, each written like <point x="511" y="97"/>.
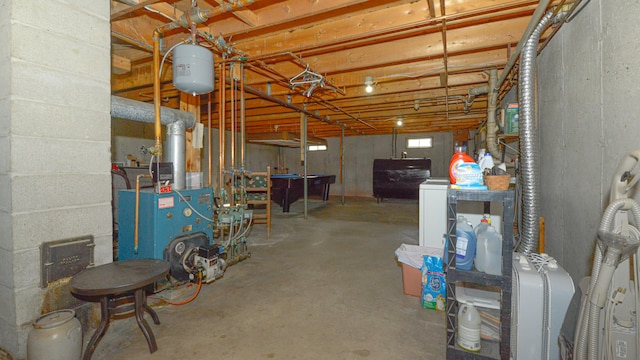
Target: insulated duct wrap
<point x="123" y="108"/>
<point x="529" y="147"/>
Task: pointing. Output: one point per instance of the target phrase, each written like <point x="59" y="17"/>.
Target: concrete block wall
<point x="588" y="91"/>
<point x="359" y="153"/>
<point x="55" y="145"/>
<point x="7" y="295"/>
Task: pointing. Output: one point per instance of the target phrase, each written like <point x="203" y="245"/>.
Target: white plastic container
<point x="489" y="251"/>
<point x="480" y="228"/>
<point x="465" y="244"/>
<point x="469" y="322"/>
<point x="55" y="336"/>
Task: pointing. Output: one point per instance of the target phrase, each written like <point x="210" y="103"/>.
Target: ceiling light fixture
<point x="399" y="122"/>
<point x="368" y="82"/>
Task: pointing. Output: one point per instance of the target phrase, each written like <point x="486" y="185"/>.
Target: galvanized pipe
<point x="535" y="19"/>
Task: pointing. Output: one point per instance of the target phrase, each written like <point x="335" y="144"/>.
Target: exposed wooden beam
<point x="120" y="65"/>
<point x="246" y="16"/>
<point x="132" y="9"/>
<point x="432" y="9"/>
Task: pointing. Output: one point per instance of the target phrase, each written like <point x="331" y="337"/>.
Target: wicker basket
<point x="497" y="182"/>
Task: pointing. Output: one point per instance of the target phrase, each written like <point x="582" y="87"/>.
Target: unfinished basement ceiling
<point x="422" y="56"/>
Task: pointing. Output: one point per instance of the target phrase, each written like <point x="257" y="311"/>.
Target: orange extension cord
<point x="192" y="297"/>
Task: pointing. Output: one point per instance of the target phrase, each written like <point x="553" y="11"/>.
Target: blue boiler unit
<point x="168" y="227"/>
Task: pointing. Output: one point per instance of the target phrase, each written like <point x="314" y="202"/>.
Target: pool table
<point x="287" y="188"/>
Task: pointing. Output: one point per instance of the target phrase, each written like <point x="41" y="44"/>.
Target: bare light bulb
<point x="399" y="122"/>
<point x="368" y="82"/>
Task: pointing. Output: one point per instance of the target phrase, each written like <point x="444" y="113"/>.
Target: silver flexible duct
<point x="529" y="151"/>
<point x="176" y="142"/>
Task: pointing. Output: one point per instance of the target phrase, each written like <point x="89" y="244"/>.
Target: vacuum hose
<point x="587" y="331"/>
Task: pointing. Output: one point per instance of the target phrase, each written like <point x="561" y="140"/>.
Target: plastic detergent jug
<point x="469" y="322"/>
<point x="465" y="244"/>
<point x="489" y="251"/>
<point x="459" y="157"/>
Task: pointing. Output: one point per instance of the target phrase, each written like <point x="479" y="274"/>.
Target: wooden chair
<point x="258" y="188"/>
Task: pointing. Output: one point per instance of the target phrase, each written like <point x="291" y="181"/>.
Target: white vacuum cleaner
<point x="615" y="244"/>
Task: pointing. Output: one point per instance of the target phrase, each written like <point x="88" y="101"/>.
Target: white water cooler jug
<point x="55" y="336"/>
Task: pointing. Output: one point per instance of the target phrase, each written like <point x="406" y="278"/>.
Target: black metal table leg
<point x="148" y="308"/>
<point x="144" y="326"/>
<point x="112" y="284"/>
<point x="101" y="330"/>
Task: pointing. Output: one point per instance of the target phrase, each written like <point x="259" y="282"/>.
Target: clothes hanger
<point x="306" y="77"/>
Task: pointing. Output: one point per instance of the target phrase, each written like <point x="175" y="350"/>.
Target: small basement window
<point x="317" y="147"/>
<point x="420" y="143"/>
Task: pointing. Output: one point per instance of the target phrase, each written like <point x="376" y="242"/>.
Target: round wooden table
<point x="115" y="281"/>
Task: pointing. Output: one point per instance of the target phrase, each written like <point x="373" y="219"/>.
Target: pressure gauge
<point x="186" y="212"/>
<point x="180" y="247"/>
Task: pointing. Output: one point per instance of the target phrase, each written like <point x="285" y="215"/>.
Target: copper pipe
<point x="243" y="140"/>
<point x="137" y="216"/>
<point x="209" y="144"/>
<point x="156" y="94"/>
<point x="221" y="125"/>
<point x="227" y="7"/>
<point x="242" y="117"/>
<point x="232" y="103"/>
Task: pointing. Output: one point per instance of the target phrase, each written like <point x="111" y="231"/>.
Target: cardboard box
<point x="411" y="280"/>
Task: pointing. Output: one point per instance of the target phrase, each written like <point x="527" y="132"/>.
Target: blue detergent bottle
<point x="465" y="244"/>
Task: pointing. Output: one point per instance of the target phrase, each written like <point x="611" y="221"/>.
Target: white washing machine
<point x="433" y="212"/>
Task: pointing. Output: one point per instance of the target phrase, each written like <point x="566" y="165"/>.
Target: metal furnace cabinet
<point x="163" y="217"/>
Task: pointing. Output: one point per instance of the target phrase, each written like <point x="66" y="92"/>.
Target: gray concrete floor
<point x="327" y="287"/>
